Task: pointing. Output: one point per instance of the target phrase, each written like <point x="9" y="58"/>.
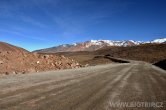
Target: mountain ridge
<point x="8" y="47"/>
<point x="93" y="45"/>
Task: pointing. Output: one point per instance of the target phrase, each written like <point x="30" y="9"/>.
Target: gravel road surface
<point x="128" y="86"/>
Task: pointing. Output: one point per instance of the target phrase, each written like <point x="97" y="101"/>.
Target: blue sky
<point x="35" y="24"/>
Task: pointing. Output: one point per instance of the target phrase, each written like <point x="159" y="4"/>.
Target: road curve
<point x="91" y="88"/>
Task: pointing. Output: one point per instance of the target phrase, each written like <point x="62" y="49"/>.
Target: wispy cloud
<point x="63" y="20"/>
<point x="70" y="17"/>
<point x="18" y="34"/>
<point x="74" y="17"/>
<point x="14" y="10"/>
<point x="32" y="21"/>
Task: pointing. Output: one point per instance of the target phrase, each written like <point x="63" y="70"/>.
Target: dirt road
<point x="91" y="88"/>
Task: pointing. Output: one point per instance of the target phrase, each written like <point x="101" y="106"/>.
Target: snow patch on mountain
<point x="114" y="43"/>
<point x="93" y="45"/>
<point x="161" y="40"/>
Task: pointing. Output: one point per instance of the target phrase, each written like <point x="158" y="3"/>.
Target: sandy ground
<point x="90" y="88"/>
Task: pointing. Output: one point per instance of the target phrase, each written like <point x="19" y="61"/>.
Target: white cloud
<point x="18" y="34"/>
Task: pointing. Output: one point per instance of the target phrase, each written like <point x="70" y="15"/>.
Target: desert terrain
<point x="83" y="80"/>
<point x="151" y="53"/>
<point x="90" y="88"/>
<point x="15" y="60"/>
<point x="82" y="54"/>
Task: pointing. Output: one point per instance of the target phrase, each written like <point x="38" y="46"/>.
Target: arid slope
<point x="146" y="52"/>
<point x="8" y="47"/>
<point x="151" y="53"/>
<point x="14" y="60"/>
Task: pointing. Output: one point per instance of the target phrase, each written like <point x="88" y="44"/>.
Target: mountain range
<point x="93" y="45"/>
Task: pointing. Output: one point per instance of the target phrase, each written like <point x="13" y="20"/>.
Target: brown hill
<point x="8" y="47"/>
<point x="17" y="60"/>
<point x="146" y="52"/>
<point x="151" y="53"/>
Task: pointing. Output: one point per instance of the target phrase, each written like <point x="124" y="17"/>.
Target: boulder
<point x="1" y="62"/>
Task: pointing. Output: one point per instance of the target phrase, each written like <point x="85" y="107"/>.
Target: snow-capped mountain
<point x="115" y="43"/>
<point x="162" y="40"/>
<point x="93" y="45"/>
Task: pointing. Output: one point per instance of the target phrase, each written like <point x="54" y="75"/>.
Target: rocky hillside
<point x="146" y="52"/>
<point x="95" y="45"/>
<point x="151" y="53"/>
<point x="8" y="47"/>
<point x="17" y="60"/>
